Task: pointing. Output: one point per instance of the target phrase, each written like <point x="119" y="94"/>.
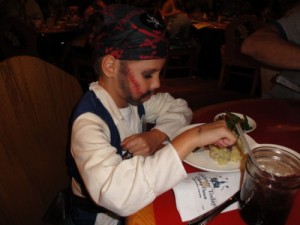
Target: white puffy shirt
<point x="124" y="187"/>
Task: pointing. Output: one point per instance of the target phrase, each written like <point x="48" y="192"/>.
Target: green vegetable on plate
<point x="232" y="119"/>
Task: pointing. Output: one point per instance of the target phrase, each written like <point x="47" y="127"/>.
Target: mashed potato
<point x="225" y="155"/>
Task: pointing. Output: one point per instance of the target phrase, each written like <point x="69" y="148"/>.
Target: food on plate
<point x="232" y="119"/>
<point x="233" y="153"/>
<point x="225" y="155"/>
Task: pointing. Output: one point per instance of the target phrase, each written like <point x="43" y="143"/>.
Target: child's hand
<point x="145" y="143"/>
<point x="212" y="133"/>
<point x="217" y="133"/>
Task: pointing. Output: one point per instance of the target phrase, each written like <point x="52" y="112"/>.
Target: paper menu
<point x="202" y="191"/>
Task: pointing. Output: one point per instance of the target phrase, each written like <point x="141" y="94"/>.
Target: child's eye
<point x="147" y="76"/>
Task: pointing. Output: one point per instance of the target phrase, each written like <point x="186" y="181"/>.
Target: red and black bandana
<point x="128" y="33"/>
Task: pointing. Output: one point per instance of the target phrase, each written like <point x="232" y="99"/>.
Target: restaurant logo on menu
<point x="207" y="186"/>
<point x="205" y="190"/>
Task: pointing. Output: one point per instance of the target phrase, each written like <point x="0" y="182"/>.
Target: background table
<point x="53" y="43"/>
<point x="278" y="122"/>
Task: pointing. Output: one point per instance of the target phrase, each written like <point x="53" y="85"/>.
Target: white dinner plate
<point x="251" y="121"/>
<point x="203" y="161"/>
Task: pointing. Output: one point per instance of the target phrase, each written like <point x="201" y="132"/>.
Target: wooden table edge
<point x="143" y="216"/>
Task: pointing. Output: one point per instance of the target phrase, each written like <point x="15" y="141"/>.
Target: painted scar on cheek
<point x="134" y="83"/>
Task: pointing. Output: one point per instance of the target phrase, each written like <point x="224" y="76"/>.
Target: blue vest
<point x="90" y="103"/>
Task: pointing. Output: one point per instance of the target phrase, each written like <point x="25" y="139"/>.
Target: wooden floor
<point x="201" y="92"/>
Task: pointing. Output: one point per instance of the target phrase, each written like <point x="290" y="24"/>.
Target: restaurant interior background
<point x="58" y="36"/>
<point x="39" y="92"/>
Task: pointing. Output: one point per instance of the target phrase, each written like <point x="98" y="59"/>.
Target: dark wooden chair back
<point x="36" y="102"/>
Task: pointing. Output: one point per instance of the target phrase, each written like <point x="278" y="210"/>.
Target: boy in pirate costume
<point x="130" y="51"/>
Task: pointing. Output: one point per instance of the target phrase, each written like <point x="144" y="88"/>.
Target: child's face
<point x="139" y="79"/>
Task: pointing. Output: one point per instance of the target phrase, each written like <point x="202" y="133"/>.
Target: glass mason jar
<point x="269" y="185"/>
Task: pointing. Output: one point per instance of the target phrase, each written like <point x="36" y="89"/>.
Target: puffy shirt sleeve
<point x="125" y="187"/>
<point x="163" y="110"/>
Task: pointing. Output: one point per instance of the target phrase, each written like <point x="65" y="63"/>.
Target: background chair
<point x="16" y="38"/>
<point x="233" y="61"/>
<point x="36" y="102"/>
<point x="182" y="57"/>
<point x="184" y="47"/>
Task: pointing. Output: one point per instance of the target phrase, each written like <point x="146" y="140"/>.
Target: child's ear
<point x="108" y="65"/>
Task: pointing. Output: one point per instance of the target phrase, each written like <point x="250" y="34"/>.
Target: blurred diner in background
<point x="276" y="46"/>
<point x="177" y="20"/>
<point x="61" y="39"/>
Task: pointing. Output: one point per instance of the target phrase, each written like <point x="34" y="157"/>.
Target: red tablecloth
<point x="278" y="122"/>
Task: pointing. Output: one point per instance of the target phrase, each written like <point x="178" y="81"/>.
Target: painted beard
<point x="127" y="78"/>
<point x="140" y="99"/>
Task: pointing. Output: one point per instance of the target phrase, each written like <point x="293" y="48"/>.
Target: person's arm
<point x="145" y="143"/>
<point x="212" y="133"/>
<point x="267" y="46"/>
<point x="125" y="187"/>
<point x="168" y="115"/>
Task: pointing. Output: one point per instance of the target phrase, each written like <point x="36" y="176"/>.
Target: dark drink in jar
<point x="269" y="186"/>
